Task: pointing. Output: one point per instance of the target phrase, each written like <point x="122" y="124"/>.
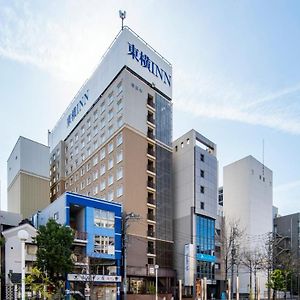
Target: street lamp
<point x="23" y="236"/>
<point x="156" y="283"/>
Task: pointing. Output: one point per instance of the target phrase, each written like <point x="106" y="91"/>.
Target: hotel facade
<point x="114" y="141"/>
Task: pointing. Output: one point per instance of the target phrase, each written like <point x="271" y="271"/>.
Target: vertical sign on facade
<point x="189" y="265"/>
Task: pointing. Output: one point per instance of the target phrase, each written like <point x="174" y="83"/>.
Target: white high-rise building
<point x="247" y="192"/>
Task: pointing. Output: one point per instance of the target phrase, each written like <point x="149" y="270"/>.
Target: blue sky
<point x="236" y="72"/>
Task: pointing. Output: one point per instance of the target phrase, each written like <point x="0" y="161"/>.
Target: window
<point x="71" y="155"/>
<point x="102" y="170"/>
<point x="89" y="151"/>
<point x="119" y="173"/>
<point x="110" y="147"/>
<point x="102" y="138"/>
<point x="82" y="185"/>
<point x="119" y="139"/>
<point x="110" y="196"/>
<point x="119" y="105"/>
<point x="82" y="144"/>
<point x="102" y="185"/>
<point x="188" y="141"/>
<point x="102" y="107"/>
<point x="82" y="156"/>
<point x="202" y="189"/>
<point x="110" y="179"/>
<point x="119" y="156"/>
<point x="104" y="218"/>
<point x="58" y="152"/>
<point x="89" y="123"/>
<point x="104" y="244"/>
<point x="202" y="157"/>
<point x="76" y="150"/>
<point x="95" y="160"/>
<point x="119" y="191"/>
<point x="95" y="115"/>
<point x="102" y="153"/>
<point x="181" y="144"/>
<point x="110" y="114"/>
<point x="76" y="176"/>
<point x="202" y="205"/>
<point x="110" y="163"/>
<point x="95" y="175"/>
<point x="95" y="145"/>
<point x="76" y="137"/>
<point x="88" y="167"/>
<point x="95" y="190"/>
<point x="88" y="181"/>
<point x="202" y="173"/>
<point x="71" y="143"/>
<point x="120" y="87"/>
<point x="82" y="130"/>
<point x="110" y="98"/>
<point x="120" y="122"/>
<point x="102" y="123"/>
<point x="176" y="148"/>
<point x="110" y="130"/>
<point x="89" y="137"/>
<point x="95" y="130"/>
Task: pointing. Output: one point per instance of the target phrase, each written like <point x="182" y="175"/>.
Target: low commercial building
<point x="97" y="247"/>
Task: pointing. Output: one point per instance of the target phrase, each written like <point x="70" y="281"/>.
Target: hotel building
<point x="114" y="142"/>
<point x="195" y="185"/>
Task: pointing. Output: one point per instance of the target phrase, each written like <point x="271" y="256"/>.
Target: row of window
<point x="104" y="244"/>
<point x="110" y="180"/>
<point x="106" y="104"/>
<point x="104" y="218"/>
<point x="110" y="148"/>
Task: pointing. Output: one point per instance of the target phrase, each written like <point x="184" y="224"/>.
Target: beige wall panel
<point x="34" y="194"/>
<point x="13" y="196"/>
<point x="135" y="190"/>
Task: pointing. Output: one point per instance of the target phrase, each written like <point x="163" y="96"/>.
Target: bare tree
<point x="253" y="259"/>
<point x="230" y="239"/>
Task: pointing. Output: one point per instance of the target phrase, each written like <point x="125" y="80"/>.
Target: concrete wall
<point x="248" y="197"/>
<point x="28" y="156"/>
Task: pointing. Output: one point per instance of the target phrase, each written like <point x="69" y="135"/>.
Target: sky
<point x="236" y="72"/>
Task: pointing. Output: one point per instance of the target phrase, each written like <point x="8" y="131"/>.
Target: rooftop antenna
<point x="122" y="15"/>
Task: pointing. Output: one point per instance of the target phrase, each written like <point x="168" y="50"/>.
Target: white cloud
<point x="221" y="99"/>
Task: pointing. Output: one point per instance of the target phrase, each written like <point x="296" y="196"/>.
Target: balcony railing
<point x="80" y="235"/>
<point x="151" y="152"/>
<point x="150" y="250"/>
<point x="151" y="200"/>
<point x="79" y="258"/>
<point x="151" y="217"/>
<point x="151" y="184"/>
<point x="151" y="233"/>
<point x="150" y="135"/>
<point x="151" y="168"/>
<point x="150" y="119"/>
<point x="150" y="102"/>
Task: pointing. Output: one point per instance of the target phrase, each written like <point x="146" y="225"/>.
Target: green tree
<point x="39" y="283"/>
<point x="278" y="281"/>
<point x="54" y="243"/>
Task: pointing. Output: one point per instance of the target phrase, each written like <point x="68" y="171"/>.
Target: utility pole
<point x="233" y="253"/>
<point x="128" y="217"/>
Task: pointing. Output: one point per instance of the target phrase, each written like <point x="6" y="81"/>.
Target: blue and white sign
<point x="206" y="257"/>
<point x="149" y="64"/>
<point x="77" y="108"/>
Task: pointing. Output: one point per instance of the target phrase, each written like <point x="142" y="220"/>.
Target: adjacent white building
<point x="247" y="196"/>
<point x="13" y="255"/>
<point x="28" y="177"/>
